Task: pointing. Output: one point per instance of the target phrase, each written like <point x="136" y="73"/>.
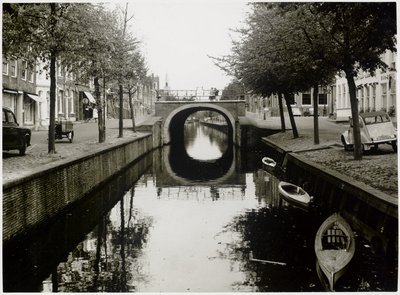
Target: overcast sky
<point x="177" y="37"/>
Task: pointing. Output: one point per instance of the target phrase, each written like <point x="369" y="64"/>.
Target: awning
<point x="10" y="91"/>
<point x="89" y="96"/>
<point x="35" y="97"/>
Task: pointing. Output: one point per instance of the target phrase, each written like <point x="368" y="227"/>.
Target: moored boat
<point x="294" y="195"/>
<point x="334" y="248"/>
<point x="268" y="163"/>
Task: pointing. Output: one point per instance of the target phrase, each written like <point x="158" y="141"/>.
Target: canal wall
<point x="60" y="234"/>
<point x="371" y="213"/>
<point x="31" y="200"/>
<point x="220" y="127"/>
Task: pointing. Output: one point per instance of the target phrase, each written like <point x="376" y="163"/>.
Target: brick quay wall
<point x="31" y="200"/>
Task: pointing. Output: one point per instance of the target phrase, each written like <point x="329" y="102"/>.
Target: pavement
<point x="329" y="131"/>
<point x="84" y="132"/>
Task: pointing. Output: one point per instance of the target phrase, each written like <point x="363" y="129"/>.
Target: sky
<point x="177" y="38"/>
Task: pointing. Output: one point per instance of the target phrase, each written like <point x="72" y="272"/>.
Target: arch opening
<point x="174" y="124"/>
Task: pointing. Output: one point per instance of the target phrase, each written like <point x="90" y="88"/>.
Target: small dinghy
<point x="268" y="163"/>
<point x="294" y="195"/>
<point x="334" y="248"/>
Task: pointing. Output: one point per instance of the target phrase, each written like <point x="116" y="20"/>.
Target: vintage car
<point x="14" y="136"/>
<point x="296" y="112"/>
<point x="375" y="128"/>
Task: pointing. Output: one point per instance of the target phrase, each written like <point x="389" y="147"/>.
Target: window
<point x="322" y="98"/>
<point x="24" y="70"/>
<point x="291" y="98"/>
<point x="31" y="76"/>
<point x="5" y="68"/>
<point x="13" y="68"/>
<point x="306" y="98"/>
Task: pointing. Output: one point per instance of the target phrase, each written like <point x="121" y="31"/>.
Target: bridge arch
<point x="178" y="116"/>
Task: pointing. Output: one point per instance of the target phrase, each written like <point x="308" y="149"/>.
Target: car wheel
<point x="23" y="149"/>
<point x="394" y="146"/>
<point x="346" y="146"/>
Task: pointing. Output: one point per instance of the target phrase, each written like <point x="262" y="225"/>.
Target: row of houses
<point x="374" y="93"/>
<point x="27" y="93"/>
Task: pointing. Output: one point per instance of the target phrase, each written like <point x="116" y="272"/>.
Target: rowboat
<point x="294" y="195"/>
<point x="334" y="248"/>
<point x="268" y="163"/>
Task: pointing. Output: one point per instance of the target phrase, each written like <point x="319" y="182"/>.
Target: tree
<point x="47" y="32"/>
<point x="135" y="75"/>
<point x="350" y="37"/>
<point x="95" y="56"/>
<point x="233" y="91"/>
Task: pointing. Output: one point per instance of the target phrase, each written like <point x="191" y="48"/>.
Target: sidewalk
<point x="328" y="130"/>
<point x="378" y="169"/>
<point x="86" y="139"/>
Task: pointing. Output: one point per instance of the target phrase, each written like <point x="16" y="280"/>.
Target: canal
<point x="202" y="217"/>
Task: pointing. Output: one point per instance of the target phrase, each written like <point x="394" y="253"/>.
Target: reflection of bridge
<point x="173" y="115"/>
<point x="173" y="164"/>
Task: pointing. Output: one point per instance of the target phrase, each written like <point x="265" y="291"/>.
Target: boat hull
<point x="333" y="262"/>
<point x="301" y="200"/>
<point x="268" y="164"/>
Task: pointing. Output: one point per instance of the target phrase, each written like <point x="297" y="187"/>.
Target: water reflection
<point x="206" y="155"/>
<point x="204" y="143"/>
<point x="161" y="234"/>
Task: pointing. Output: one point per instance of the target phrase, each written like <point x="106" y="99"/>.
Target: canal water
<point x="202" y="217"/>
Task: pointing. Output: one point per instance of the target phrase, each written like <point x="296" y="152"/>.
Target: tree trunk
<point x="292" y="122"/>
<point x="281" y="112"/>
<point x="315" y="106"/>
<point x="52" y="125"/>
<point x="132" y="110"/>
<point x="354" y="113"/>
<point x="99" y="110"/>
<point x="121" y="111"/>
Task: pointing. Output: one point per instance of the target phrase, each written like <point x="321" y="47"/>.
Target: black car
<point x="14" y="136"/>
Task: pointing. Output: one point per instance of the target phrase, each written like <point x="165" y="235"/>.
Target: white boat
<point x="334" y="248"/>
<point x="268" y="163"/>
<point x="294" y="195"/>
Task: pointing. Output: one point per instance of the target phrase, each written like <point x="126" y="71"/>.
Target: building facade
<point x="27" y="93"/>
<point x="19" y="91"/>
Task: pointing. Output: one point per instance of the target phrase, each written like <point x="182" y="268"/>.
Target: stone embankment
<point x="378" y="169"/>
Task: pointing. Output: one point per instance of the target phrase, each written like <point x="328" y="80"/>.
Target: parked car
<point x="311" y="112"/>
<point x="14" y="136"/>
<point x="296" y="112"/>
<point x="375" y="128"/>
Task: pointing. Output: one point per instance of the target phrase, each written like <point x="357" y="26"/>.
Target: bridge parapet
<point x="234" y="107"/>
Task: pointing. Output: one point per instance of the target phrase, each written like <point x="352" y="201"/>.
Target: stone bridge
<point x="173" y="115"/>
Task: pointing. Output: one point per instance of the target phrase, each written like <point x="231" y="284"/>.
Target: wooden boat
<point x="268" y="163"/>
<point x="294" y="195"/>
<point x="334" y="248"/>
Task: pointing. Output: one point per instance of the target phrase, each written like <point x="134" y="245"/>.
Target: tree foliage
<point x="233" y="91"/>
<point x="290" y="47"/>
<point x="86" y="39"/>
